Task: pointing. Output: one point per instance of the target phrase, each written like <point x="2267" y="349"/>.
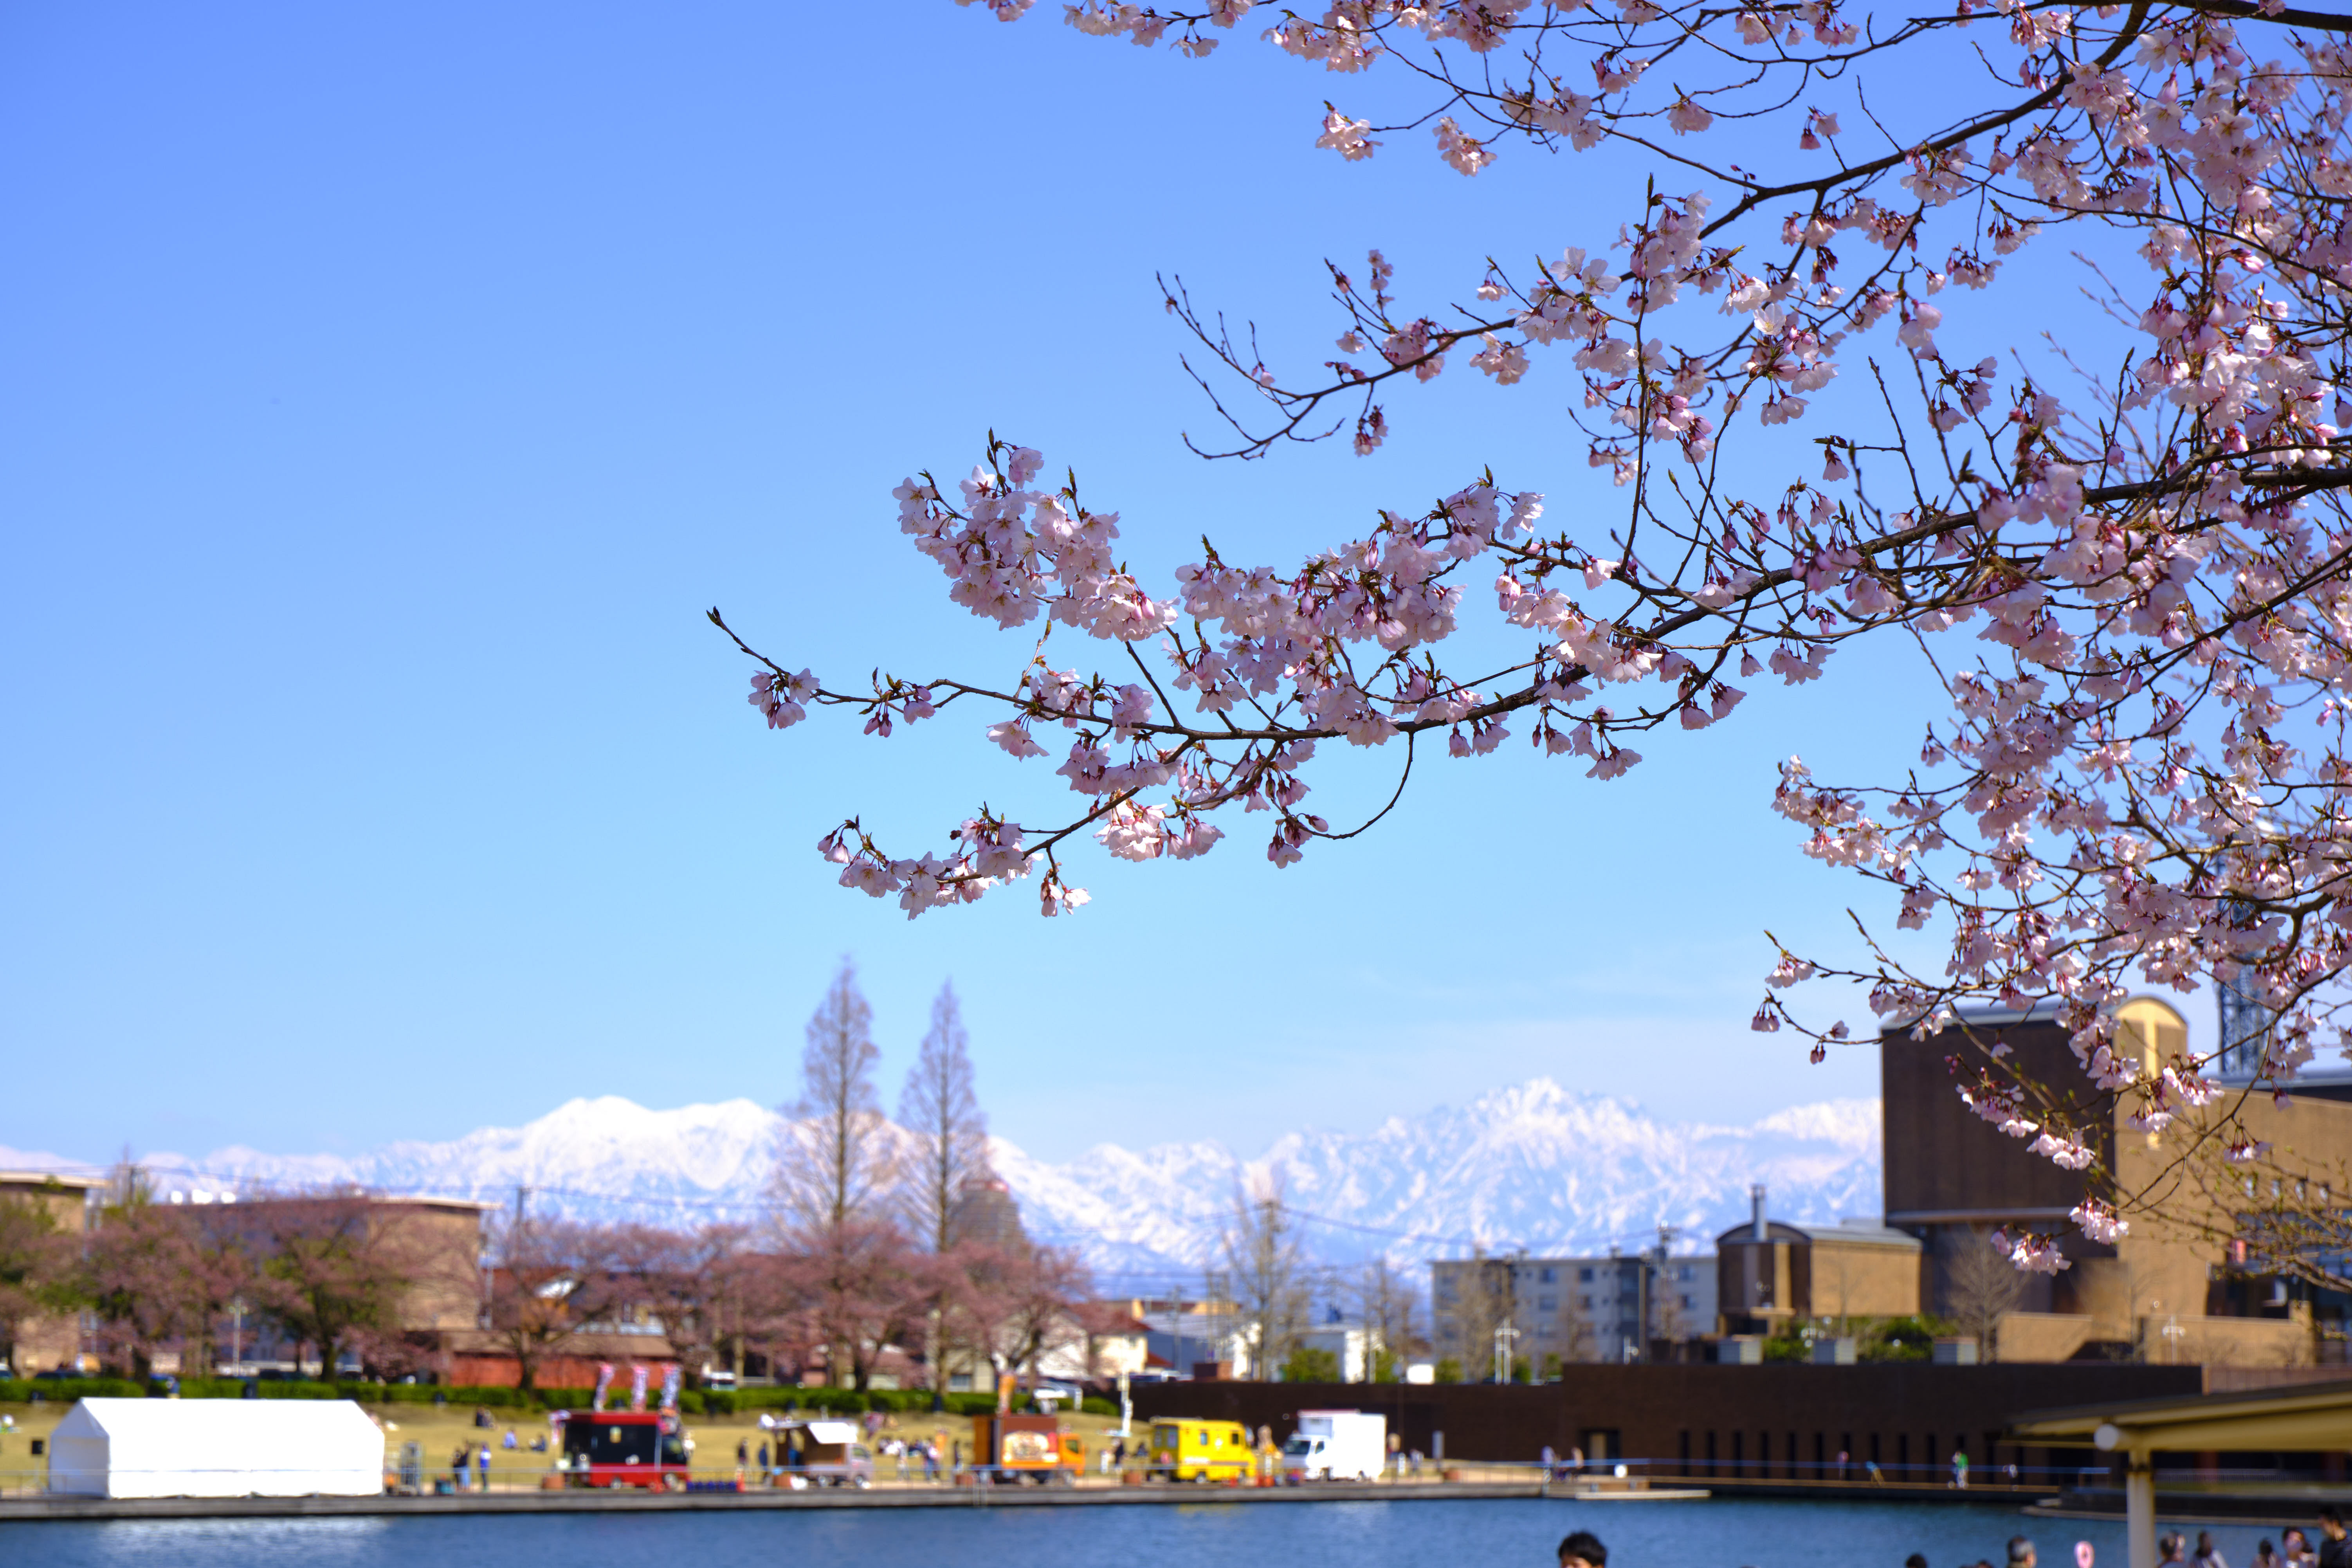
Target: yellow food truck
<point x="1202" y="1450"/>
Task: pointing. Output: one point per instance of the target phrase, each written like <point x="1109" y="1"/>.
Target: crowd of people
<point x="2292" y="1549"/>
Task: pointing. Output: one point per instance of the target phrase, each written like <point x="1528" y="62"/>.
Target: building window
<point x="1547" y="1276"/>
<point x="1584" y="1276"/>
<point x="1547" y="1303"/>
<point x="1585" y="1301"/>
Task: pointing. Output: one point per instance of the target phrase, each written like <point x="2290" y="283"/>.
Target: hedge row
<point x="19" y="1390"/>
<point x="841" y="1401"/>
<point x="693" y="1402"/>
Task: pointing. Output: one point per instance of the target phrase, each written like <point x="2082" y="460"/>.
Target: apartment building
<point x="1546" y="1311"/>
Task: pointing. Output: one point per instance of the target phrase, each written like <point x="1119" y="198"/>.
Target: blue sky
<point x="386" y="392"/>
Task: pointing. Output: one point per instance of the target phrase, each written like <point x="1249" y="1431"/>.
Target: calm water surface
<point x="1713" y="1535"/>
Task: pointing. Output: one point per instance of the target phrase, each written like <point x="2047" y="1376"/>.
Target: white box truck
<point x="1335" y="1446"/>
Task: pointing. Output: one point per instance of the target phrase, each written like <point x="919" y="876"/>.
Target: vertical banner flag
<point x="637" y="1386"/>
<point x="670" y="1381"/>
<point x="603" y="1385"/>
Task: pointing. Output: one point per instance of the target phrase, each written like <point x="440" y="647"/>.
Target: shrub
<point x="19" y="1389"/>
<point x="1447" y="1370"/>
<point x="1310" y="1363"/>
<point x="1902" y="1338"/>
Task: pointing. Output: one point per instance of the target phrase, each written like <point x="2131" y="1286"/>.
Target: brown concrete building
<point x="444" y="1291"/>
<point x="49" y="1340"/>
<point x="1770" y="1273"/>
<point x="2176" y="1287"/>
<point x="984" y="1212"/>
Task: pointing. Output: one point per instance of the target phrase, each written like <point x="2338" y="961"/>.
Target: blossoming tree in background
<point x="2132" y="582"/>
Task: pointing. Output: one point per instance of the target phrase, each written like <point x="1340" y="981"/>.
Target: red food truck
<point x="622" y="1449"/>
<point x="1026" y="1447"/>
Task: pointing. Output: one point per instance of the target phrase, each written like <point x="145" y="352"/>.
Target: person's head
<point x="2295" y="1539"/>
<point x="2265" y="1550"/>
<point x="1917" y="1560"/>
<point x="2331" y="1524"/>
<point x="1584" y="1550"/>
<point x="2020" y="1553"/>
<point x="2204" y="1541"/>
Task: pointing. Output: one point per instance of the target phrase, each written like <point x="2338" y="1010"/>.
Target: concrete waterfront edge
<point x="31" y="1510"/>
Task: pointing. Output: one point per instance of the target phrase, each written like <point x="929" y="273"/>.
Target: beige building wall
<point x="2153" y="1294"/>
<point x="1854" y="1280"/>
<point x="2041" y="1336"/>
<point x="51" y="1340"/>
<point x="445" y="1236"/>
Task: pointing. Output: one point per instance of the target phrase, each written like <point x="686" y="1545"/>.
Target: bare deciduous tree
<point x="835" y="1159"/>
<point x="549" y="1279"/>
<point x="1264" y="1257"/>
<point x="1483" y="1303"/>
<point x="1387" y="1305"/>
<point x="1979" y="1284"/>
<point x="837" y="1171"/>
<point x="861" y="1280"/>
<point x="940" y="1110"/>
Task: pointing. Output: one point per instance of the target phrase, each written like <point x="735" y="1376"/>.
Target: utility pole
<point x="1642" y="1266"/>
<point x="1665" y="1252"/>
<point x="1179" y="1368"/>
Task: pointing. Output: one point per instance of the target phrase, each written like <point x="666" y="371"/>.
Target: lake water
<point x="1727" y="1533"/>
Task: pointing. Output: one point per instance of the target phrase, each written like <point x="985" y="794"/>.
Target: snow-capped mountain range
<point x="1534" y="1167"/>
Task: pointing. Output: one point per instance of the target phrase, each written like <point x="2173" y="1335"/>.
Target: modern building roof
<point x="2306" y="1415"/>
<point x="49" y="1178"/>
<point x="2303" y="1417"/>
<point x="1846" y="1232"/>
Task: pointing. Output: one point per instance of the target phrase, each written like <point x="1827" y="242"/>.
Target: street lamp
<point x="1505" y="1336"/>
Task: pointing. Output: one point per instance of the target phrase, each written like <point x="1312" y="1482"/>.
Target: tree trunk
<point x="932" y="1361"/>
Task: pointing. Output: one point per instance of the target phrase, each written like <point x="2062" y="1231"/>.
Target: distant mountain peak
<point x="1533" y="1164"/>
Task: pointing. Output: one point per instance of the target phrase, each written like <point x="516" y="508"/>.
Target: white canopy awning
<point x="217" y="1448"/>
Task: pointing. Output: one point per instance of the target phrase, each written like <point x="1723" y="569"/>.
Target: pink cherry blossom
<point x="2136" y="587"/>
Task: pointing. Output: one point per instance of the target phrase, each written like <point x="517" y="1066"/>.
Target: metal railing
<point x="1556" y="1478"/>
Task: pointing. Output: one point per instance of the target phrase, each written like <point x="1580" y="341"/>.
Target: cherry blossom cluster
<point x="2137" y="586"/>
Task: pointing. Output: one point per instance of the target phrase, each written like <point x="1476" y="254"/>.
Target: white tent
<point x="217" y="1448"/>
